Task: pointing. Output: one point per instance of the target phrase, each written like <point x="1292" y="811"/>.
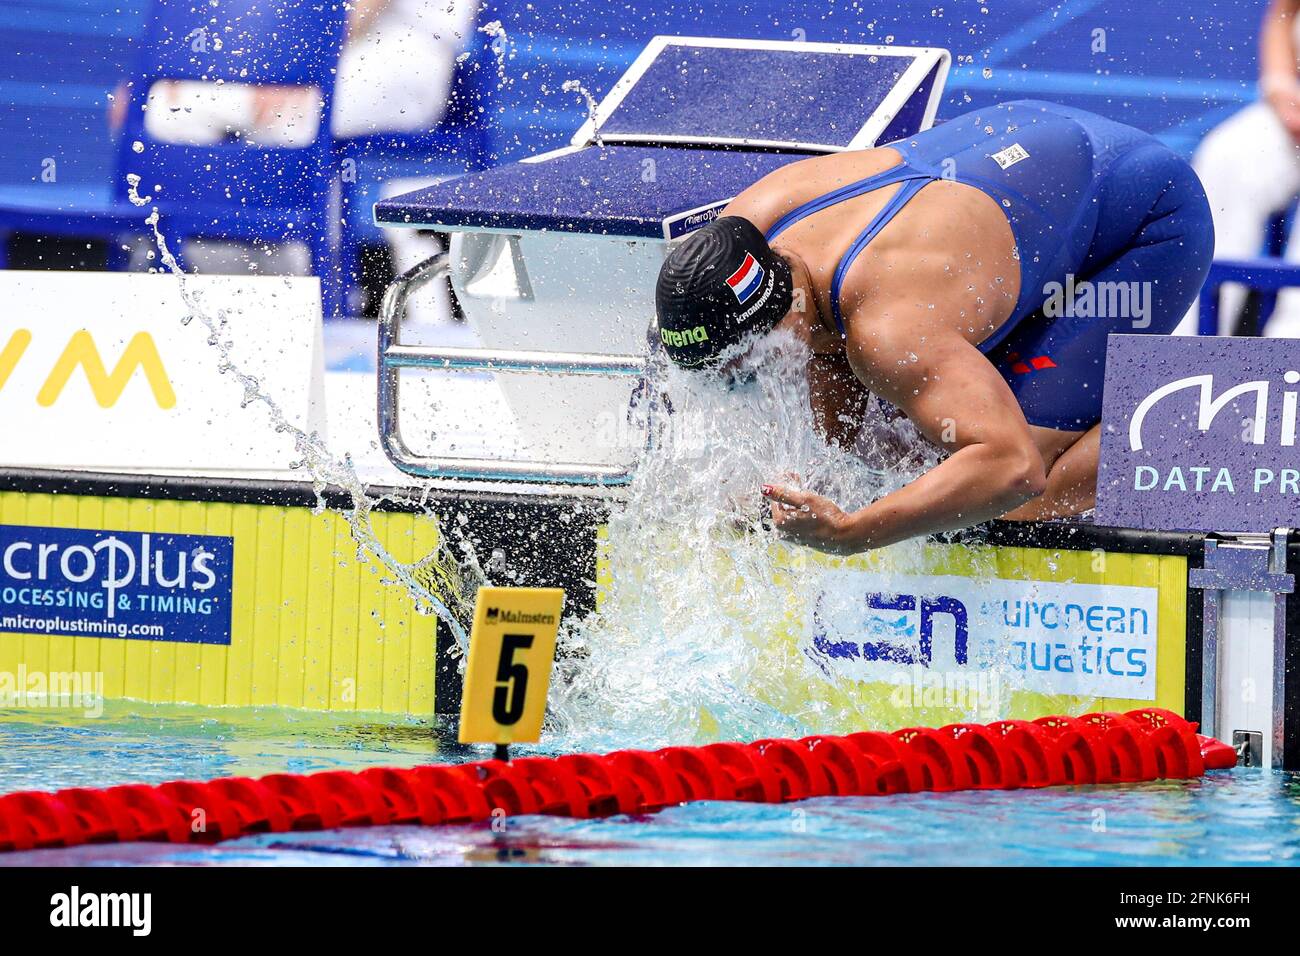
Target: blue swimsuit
<point x="1094" y="206"/>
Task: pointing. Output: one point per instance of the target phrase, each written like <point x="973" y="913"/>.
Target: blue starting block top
<point x="692" y="123"/>
<point x="764" y="96"/>
<point x="603" y="190"/>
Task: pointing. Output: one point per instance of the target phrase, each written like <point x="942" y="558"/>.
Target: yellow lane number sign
<point x="511" y="649"/>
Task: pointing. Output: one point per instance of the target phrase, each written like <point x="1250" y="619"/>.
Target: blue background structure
<point x="1174" y="71"/>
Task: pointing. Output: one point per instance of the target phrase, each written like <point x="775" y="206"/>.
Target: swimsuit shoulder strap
<point x="910" y="188"/>
<point x="913" y="181"/>
<point x="888" y="177"/>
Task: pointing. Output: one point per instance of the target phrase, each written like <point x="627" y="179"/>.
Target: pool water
<point x="49" y="749"/>
<point x="1237" y="817"/>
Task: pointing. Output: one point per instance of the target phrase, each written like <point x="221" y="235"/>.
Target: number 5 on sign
<point x="511" y="649"/>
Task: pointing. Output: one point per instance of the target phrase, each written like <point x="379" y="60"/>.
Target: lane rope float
<point x="1101" y="748"/>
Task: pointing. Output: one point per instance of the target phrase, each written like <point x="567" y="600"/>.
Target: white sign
<point x="1084" y="640"/>
<point x="101" y="371"/>
<point x="1010" y="156"/>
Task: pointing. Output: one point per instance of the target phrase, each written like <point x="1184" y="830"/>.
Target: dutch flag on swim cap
<point x="746" y="280"/>
<point x="719" y="285"/>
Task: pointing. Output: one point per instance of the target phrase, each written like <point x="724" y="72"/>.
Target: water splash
<point x="576" y="86"/>
<point x="441" y="583"/>
<point x="133" y="190"/>
<point x="500" y="46"/>
<point x="696" y="584"/>
<point x="697" y="589"/>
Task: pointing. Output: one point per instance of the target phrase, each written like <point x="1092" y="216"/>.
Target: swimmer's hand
<point x="809" y="519"/>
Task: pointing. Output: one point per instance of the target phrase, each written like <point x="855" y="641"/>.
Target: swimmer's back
<point x="1045" y="165"/>
<point x="1041" y="165"/>
<point x="941" y="234"/>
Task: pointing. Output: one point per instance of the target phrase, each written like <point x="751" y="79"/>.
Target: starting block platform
<point x="565" y="247"/>
<point x="607" y="192"/>
<point x="692" y="123"/>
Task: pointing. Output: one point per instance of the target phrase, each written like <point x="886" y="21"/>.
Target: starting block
<point x="554" y="258"/>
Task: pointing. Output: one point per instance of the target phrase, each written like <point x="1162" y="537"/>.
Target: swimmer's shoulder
<point x="943" y="266"/>
<point x="783" y="189"/>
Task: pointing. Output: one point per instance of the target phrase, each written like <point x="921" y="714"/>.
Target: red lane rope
<point x="1011" y="754"/>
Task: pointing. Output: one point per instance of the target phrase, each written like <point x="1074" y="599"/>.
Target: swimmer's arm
<point x="958" y="400"/>
<point x="1071" y="483"/>
<point x="836" y="398"/>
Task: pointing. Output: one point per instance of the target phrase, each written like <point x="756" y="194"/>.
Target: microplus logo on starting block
<point x="1199" y="434"/>
<point x="1085" y="640"/>
<point x="72" y="582"/>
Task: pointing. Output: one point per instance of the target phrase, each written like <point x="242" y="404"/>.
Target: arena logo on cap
<point x="746" y="280"/>
<point x="684" y="337"/>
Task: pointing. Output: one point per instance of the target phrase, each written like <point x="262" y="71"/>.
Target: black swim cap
<point x="722" y="283"/>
